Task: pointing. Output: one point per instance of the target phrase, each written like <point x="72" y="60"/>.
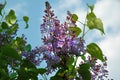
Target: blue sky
<point x="107" y="10"/>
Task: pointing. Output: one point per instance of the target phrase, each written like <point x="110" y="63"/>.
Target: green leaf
<point x="56" y="78"/>
<point x="91" y="16"/>
<point x="94" y="23"/>
<point x="13" y="76"/>
<point x="75" y="30"/>
<point x="26" y="63"/>
<point x="94" y="50"/>
<point x="85" y="66"/>
<point x="2" y="7"/>
<point x="28" y="48"/>
<point x="10" y="52"/>
<point x="11" y="18"/>
<point x="84" y="71"/>
<point x="41" y="70"/>
<point x="19" y="43"/>
<point x="74" y="17"/>
<point x="25" y="73"/>
<point x="1" y="29"/>
<point x="26" y="19"/>
<point x="3" y="74"/>
<point x="4" y="25"/>
<point x="13" y="29"/>
<point x="99" y="25"/>
<point x="60" y="72"/>
<point x="91" y="7"/>
<point x="37" y="71"/>
<point x="83" y="57"/>
<point x="86" y="75"/>
<point x="69" y="63"/>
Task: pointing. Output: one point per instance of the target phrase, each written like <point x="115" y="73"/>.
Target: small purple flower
<point x="33" y="56"/>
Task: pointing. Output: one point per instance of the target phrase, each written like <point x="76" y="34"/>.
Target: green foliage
<point x="13" y="76"/>
<point x="41" y="70"/>
<point x="94" y="50"/>
<point x="91" y="7"/>
<point x="10" y="52"/>
<point x="2" y="7"/>
<point x="11" y="48"/>
<point x="85" y="72"/>
<point x="93" y="22"/>
<point x="75" y="30"/>
<point x="28" y="48"/>
<point x="29" y="71"/>
<point x="69" y="63"/>
<point x="11" y="18"/>
<point x="4" y="25"/>
<point x="13" y="29"/>
<point x="26" y="19"/>
<point x="56" y="78"/>
<point x="74" y="17"/>
<point x="3" y="74"/>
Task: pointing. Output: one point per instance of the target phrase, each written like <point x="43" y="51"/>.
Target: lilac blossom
<point x="98" y="70"/>
<point x="57" y="38"/>
<point x="32" y="56"/>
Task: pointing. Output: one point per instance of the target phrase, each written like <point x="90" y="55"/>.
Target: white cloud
<point x="19" y="8"/>
<point x="108" y="11"/>
<point x="65" y="4"/>
<point x="111" y="48"/>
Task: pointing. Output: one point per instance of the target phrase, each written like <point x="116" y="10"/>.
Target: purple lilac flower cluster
<point x="98" y="71"/>
<point x="32" y="56"/>
<point x="58" y="39"/>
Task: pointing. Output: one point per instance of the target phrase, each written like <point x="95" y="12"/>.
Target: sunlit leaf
<point x="75" y="30"/>
<point x="69" y="63"/>
<point x="94" y="23"/>
<point x="99" y="25"/>
<point x="11" y="18"/>
<point x="74" y="17"/>
<point x="26" y="19"/>
<point x="91" y="7"/>
<point x="91" y="16"/>
<point x="94" y="50"/>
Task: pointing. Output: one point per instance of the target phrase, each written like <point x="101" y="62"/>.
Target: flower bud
<point x="1" y="5"/>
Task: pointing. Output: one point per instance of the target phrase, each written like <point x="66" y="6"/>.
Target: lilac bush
<point x="64" y="48"/>
<point x="63" y="45"/>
